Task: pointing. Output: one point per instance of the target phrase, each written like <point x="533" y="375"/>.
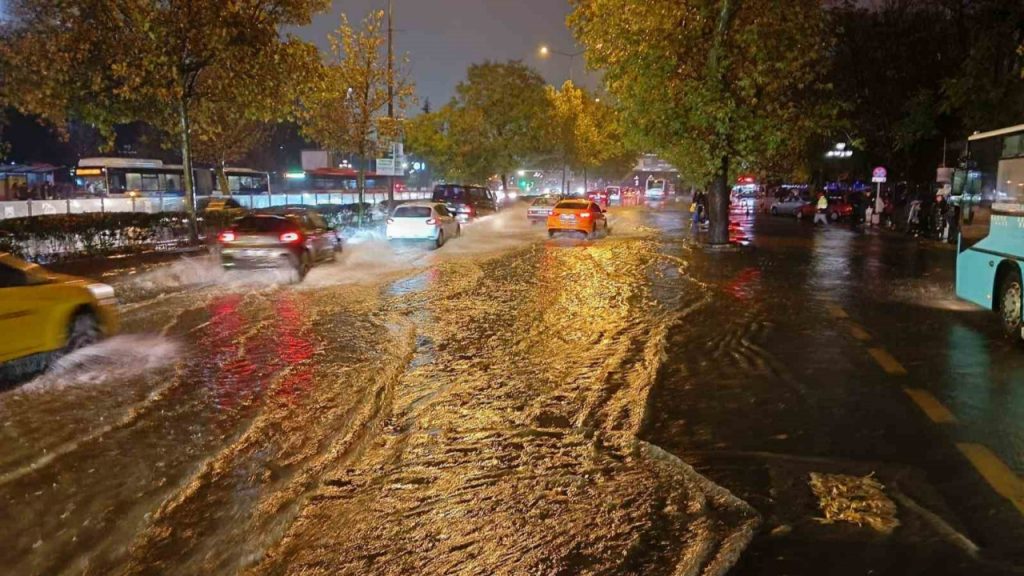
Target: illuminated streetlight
<point x="545" y="52"/>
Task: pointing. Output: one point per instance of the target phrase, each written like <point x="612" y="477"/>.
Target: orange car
<point x="578" y="215"/>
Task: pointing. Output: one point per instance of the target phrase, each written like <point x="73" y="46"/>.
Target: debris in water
<point x="853" y="499"/>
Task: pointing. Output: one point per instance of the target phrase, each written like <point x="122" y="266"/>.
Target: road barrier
<point x="154" y="204"/>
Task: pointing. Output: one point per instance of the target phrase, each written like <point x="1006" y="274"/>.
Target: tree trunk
<point x="504" y="183"/>
<point x="222" y="180"/>
<point x="187" y="182"/>
<point x="718" y="206"/>
<point x="586" y="185"/>
<point x="564" y="191"/>
<point x="361" y="182"/>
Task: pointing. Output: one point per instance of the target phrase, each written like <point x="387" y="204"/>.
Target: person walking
<point x="822" y="212"/>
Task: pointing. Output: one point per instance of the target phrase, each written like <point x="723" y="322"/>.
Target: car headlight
<point x="103" y="293"/>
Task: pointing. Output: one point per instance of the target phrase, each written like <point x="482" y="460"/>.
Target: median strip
<point x="931" y="406"/>
<point x="1003" y="480"/>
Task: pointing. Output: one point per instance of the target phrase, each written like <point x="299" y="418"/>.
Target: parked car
<point x="577" y="215"/>
<point x="423" y="221"/>
<point x="221" y="204"/>
<point x="44" y="315"/>
<point x="789" y="206"/>
<point x="466" y="202"/>
<point x="838" y="209"/>
<point x="540" y="209"/>
<point x="295" y="238"/>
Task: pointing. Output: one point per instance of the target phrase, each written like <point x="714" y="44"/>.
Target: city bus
<point x="148" y="178"/>
<point x="988" y="191"/>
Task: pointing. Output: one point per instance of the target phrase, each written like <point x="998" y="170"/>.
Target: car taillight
<point x="584" y="214"/>
<point x="289" y="237"/>
<point x="227" y="236"/>
<point x="432" y="222"/>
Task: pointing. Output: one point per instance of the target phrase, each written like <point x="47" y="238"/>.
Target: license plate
<point x="253" y="253"/>
<point x="568" y="216"/>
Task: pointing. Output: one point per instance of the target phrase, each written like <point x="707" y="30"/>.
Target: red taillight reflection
<point x="227" y="236"/>
<point x="289" y="237"/>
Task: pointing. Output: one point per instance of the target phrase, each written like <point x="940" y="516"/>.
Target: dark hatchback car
<point x="466" y="202"/>
<point x="290" y="238"/>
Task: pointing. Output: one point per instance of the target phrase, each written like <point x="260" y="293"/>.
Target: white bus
<point x="139" y="177"/>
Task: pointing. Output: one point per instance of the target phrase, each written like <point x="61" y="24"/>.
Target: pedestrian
<point x="822" y="213"/>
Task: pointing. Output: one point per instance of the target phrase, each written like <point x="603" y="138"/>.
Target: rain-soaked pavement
<point x="511" y="404"/>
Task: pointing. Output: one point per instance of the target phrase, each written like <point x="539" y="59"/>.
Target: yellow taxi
<point x="577" y="215"/>
<point x="44" y="315"/>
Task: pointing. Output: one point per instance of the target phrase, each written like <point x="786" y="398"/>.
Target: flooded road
<point x="511" y="404"/>
<point x="480" y="402"/>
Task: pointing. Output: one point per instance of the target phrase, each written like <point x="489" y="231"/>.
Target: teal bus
<point x="988" y="191"/>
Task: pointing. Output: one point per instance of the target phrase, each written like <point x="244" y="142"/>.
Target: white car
<point x="655" y="193"/>
<point x="423" y="221"/>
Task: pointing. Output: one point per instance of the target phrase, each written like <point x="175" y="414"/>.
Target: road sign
<point x="388" y="167"/>
<point x="879" y="175"/>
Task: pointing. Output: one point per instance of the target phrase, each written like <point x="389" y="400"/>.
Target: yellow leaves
<point x="345" y="109"/>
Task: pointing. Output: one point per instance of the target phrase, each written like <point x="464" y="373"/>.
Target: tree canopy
<point x="714" y="86"/>
<point x="106" y="62"/>
<point x="345" y="109"/>
<point x="586" y="133"/>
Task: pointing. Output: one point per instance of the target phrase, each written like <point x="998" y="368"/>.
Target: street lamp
<point x="546" y="52"/>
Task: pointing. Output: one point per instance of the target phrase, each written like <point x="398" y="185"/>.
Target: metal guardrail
<point x="153" y="204"/>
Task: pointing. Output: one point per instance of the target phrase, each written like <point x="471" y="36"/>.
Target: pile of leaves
<point x="854" y="499"/>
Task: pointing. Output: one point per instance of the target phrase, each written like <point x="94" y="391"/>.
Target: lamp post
<point x="546" y="52"/>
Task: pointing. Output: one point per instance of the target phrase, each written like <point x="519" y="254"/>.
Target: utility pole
<point x="391" y="99"/>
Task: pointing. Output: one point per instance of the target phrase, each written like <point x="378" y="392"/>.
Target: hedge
<point x="50" y="238"/>
<point x="65" y="236"/>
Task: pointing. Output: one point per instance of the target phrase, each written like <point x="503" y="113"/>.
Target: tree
<point x="224" y="132"/>
<point x="712" y="85"/>
<point x="585" y="132"/>
<point x="986" y="86"/>
<point x="346" y="110"/>
<point x="500" y="111"/>
<point x="110" y="61"/>
<point x="429" y="136"/>
<point x="496" y="123"/>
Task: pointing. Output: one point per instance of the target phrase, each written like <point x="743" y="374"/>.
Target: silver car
<point x="788" y="206"/>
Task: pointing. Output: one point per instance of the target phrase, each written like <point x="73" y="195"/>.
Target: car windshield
<point x="412" y="212"/>
<point x="258" y="224"/>
<point x="449" y="193"/>
<point x="573" y="205"/>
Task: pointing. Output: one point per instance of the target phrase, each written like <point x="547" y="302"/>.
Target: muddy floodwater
<point x="471" y="410"/>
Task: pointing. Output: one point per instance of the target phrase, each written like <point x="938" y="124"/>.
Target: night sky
<point x="443" y="37"/>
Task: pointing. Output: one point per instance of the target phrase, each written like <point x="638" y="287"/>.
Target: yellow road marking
<point x="891" y="365"/>
<point x="931" y="406"/>
<point x="836" y="311"/>
<point x="996" y="473"/>
<point x="859" y="332"/>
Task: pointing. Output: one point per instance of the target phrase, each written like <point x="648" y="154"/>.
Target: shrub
<point x="64" y="236"/>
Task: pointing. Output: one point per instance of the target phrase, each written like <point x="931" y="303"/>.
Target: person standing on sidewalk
<point x="822" y="213"/>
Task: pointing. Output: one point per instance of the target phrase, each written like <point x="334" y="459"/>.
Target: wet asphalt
<point x="510" y="404"/>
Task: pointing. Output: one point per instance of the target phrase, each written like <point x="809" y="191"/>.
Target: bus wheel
<point x="1011" y="301"/>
